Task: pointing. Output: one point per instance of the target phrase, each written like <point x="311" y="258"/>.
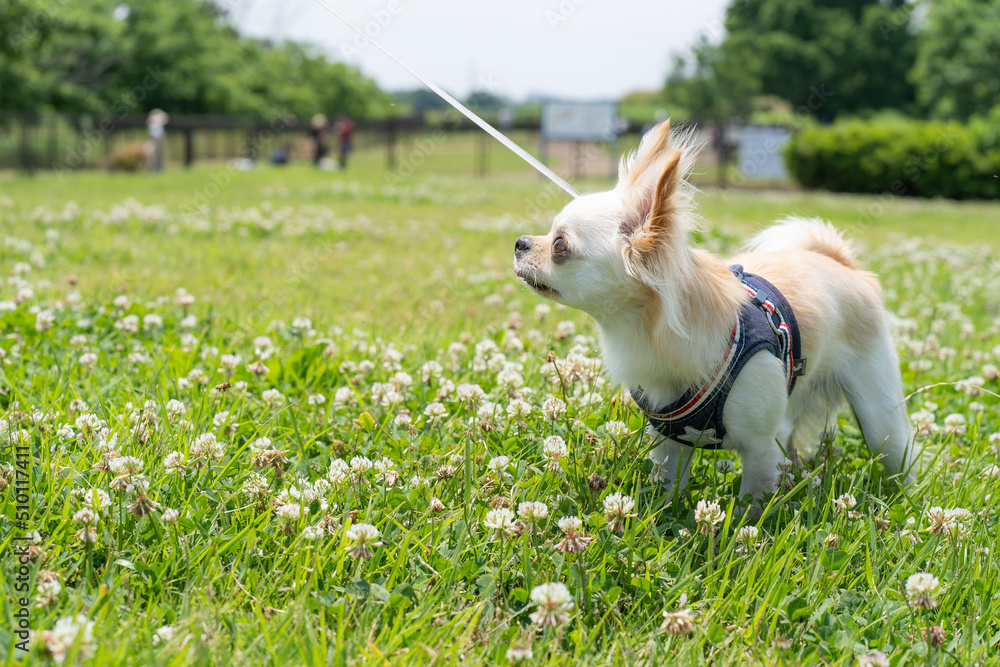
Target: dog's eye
<point x="559" y="245"/>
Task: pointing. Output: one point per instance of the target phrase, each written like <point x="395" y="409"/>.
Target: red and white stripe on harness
<point x="771" y="310"/>
<point x="708" y="389"/>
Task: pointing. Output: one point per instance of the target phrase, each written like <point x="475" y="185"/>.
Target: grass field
<point x="294" y="417"/>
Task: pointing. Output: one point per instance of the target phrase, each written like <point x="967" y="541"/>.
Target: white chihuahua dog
<point x="715" y="352"/>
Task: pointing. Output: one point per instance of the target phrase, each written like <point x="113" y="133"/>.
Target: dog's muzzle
<point x="521" y="246"/>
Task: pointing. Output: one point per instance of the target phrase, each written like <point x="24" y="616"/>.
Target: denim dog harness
<point x="766" y="322"/>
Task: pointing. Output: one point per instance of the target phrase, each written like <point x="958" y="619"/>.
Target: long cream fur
<point x="664" y="310"/>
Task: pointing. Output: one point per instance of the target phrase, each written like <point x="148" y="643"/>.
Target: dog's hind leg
<point x="874" y="389"/>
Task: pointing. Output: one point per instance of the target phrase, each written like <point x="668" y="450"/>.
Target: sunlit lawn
<point x="221" y="376"/>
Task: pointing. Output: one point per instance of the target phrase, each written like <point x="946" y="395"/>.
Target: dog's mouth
<point x="535" y="284"/>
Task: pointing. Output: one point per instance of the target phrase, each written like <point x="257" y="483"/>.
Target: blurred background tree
<point x="957" y="72"/>
<point x="89" y="55"/>
<point x="825" y="58"/>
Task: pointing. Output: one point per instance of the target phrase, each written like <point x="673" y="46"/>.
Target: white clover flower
<point x="844" y="503"/>
<point x="519" y="654"/>
<point x="873" y="659"/>
<point x="361" y="464"/>
<point x="316" y="400"/>
<point x="533" y="511"/>
<point x="553" y="449"/>
<point x="417" y="481"/>
<point x="509" y="379"/>
<point x="85" y="516"/>
<point x="925" y="422"/>
<point x="949" y="522"/>
<point x="128" y="324"/>
<point x="93" y="499"/>
<point x="616" y="429"/>
<point x="290" y="512"/>
<point x="206" y="447"/>
<point x="401" y="379"/>
<point x="260" y="444"/>
<point x="445" y="390"/>
<point x="708" y="516"/>
<point x="435" y="411"/>
<point x="312" y="533"/>
<point x="170" y="515"/>
<point x="273" y="397"/>
<point x="301" y="325"/>
<point x="677" y="622"/>
<point x="344" y="396"/>
<point x="255" y="485"/>
<point x="500" y="520"/>
<point x="498" y="464"/>
<point x="228" y="363"/>
<point x="972" y="386"/>
<point x="44" y="320"/>
<point x="921" y="587"/>
<point x="67" y="633"/>
<point x="173" y="462"/>
<point x="554" y="604"/>
<point x="747" y="535"/>
<point x="151" y="321"/>
<point x="954" y="424"/>
<point x="339" y="471"/>
<point x="220" y="419"/>
<point x="87" y="422"/>
<point x="553" y="408"/>
<point x="163" y="635"/>
<point x="175" y="409"/>
<point x="618" y="508"/>
<point x="518" y="409"/>
<point x="430" y="370"/>
<point x="565" y="329"/>
<point x="88" y="359"/>
<point x="125" y="465"/>
<point x="469" y="393"/>
<point x="364" y="536"/>
<point x="486" y="410"/>
<point x="570" y="524"/>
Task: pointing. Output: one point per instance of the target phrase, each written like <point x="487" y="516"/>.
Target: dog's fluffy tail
<point x="815" y="234"/>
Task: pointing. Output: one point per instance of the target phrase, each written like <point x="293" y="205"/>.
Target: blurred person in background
<point x="345" y="131"/>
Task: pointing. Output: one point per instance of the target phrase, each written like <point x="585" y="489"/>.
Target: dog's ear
<point x="655" y="208"/>
<point x="635" y="168"/>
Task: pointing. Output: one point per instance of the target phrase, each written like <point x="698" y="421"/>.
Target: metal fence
<point x="32" y="141"/>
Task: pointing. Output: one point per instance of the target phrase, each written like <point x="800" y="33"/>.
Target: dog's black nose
<point x="522" y="245"/>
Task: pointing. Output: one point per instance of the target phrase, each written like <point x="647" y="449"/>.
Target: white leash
<point x="496" y="134"/>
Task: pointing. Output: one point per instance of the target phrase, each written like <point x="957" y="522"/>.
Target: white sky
<point x="578" y="49"/>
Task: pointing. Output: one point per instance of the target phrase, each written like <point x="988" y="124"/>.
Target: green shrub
<point x="918" y="159"/>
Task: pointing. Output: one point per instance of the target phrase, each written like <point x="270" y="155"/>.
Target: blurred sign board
<point x="580" y="121"/>
<point x="761" y="152"/>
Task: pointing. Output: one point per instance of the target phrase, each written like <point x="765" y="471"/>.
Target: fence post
<point x="26" y="161"/>
<point x="188" y="147"/>
<point x="483" y="153"/>
<point x="390" y="143"/>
